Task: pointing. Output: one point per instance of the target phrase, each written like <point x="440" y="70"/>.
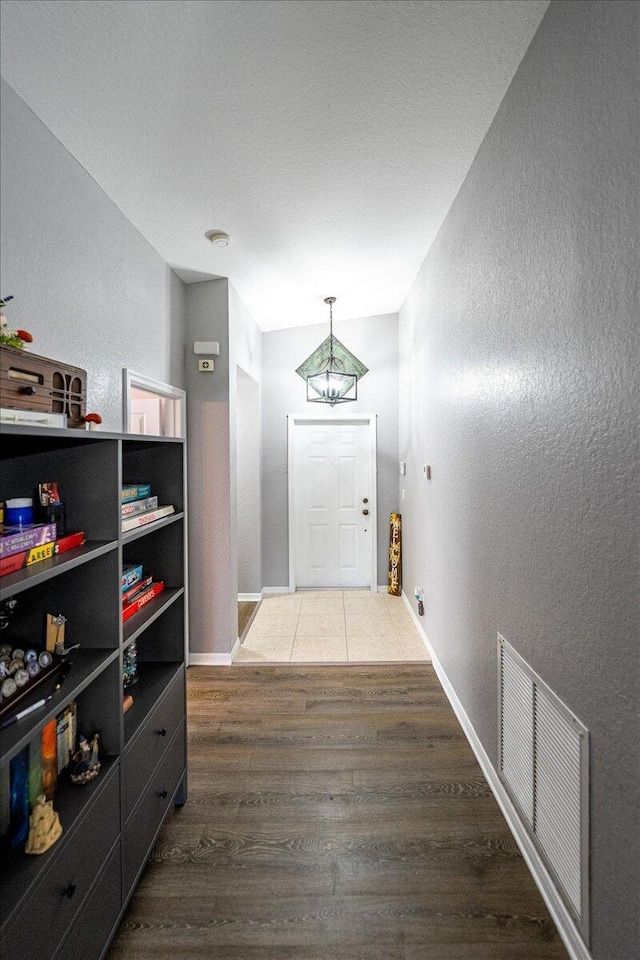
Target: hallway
<point x="332" y="626"/>
<point x="333" y="814"/>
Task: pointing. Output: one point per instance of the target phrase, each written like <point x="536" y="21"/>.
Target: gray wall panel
<point x="86" y="284"/>
<point x="519" y="373"/>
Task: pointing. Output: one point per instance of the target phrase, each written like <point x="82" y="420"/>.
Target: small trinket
<point x="8" y="688"/>
<point x="85" y="761"/>
<point x="44" y="827"/>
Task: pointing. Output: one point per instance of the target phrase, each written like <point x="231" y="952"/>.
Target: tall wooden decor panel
<point x="395" y="555"/>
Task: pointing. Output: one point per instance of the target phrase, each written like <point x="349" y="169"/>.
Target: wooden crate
<point x="30" y="382"/>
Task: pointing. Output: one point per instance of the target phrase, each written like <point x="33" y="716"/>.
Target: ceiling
<point x="327" y="137"/>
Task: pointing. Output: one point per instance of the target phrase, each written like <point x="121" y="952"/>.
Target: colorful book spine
<point x="19" y="799"/>
<point x="49" y="759"/>
<point x="69" y="542"/>
<point x="18" y="561"/>
<point x="131" y="575"/>
<point x="137" y="588"/>
<point x="139" y="506"/>
<point x="133" y="522"/>
<point x="35" y="770"/>
<point x="135" y="491"/>
<point x="62" y="739"/>
<point x="18" y="539"/>
<point x="142" y="600"/>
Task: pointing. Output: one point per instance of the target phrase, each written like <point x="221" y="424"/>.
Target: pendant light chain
<point x="330" y="333"/>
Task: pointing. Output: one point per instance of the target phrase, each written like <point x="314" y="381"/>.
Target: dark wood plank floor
<point x="334" y="813"/>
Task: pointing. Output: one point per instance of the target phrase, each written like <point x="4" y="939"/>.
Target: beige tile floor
<point x="332" y="626"/>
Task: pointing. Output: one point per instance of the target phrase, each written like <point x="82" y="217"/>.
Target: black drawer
<point x="40" y="924"/>
<point x="151" y="741"/>
<point x="92" y="930"/>
<point x="156" y="799"/>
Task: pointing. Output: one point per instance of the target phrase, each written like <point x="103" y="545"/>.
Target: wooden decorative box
<point x="30" y="382"/>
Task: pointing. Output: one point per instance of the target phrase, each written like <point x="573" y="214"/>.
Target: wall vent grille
<point x="544" y="764"/>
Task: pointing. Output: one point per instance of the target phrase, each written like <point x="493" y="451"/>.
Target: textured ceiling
<point x="328" y="137"/>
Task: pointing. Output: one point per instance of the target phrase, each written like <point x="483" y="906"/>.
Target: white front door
<point x="333" y="509"/>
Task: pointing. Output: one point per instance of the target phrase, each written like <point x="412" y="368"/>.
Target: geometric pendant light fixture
<point x="332" y="372"/>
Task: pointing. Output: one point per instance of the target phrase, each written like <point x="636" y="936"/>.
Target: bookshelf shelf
<point x="87" y="666"/>
<point x="154" y="678"/>
<point x="72" y="803"/>
<point x="130" y="535"/>
<point x="138" y="623"/>
<point x="15" y="583"/>
<point x="99" y="845"/>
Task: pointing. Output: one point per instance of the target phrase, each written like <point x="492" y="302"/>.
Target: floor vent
<point x="544" y="764"/>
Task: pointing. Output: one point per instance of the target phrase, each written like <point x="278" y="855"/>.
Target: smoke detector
<point x="218" y="238"/>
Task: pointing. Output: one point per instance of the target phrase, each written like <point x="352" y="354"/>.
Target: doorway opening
<point x="332" y="503"/>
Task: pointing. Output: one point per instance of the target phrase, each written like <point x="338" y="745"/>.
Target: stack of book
<point x="139" y="507"/>
<point x="138" y="588"/>
<point x="23" y="546"/>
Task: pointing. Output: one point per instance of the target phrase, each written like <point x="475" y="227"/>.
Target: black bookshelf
<point x="110" y="824"/>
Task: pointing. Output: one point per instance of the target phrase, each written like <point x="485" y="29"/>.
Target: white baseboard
<point x="249" y="597"/>
<point x="214" y="659"/>
<point x="266" y="591"/>
<point x="562" y="918"/>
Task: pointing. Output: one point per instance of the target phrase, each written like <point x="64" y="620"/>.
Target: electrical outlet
<point x="206" y="366"/>
<point x="426" y="471"/>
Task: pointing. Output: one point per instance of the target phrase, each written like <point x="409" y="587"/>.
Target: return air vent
<point x="544" y="764"/>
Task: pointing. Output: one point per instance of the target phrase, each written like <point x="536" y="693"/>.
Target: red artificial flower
<point x="93" y="418"/>
<point x="24" y="335"/>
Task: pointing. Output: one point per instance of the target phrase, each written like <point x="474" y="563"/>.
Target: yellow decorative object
<point x="395" y="555"/>
<point x="44" y="826"/>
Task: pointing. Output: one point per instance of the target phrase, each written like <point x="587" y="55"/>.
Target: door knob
<point x="365" y="500"/>
<point x="366" y="513"/>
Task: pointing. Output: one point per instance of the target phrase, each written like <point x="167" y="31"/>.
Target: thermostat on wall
<point x="211" y="347"/>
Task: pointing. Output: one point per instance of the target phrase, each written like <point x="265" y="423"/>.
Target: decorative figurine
<point x="85" y="761"/>
<point x="93" y="421"/>
<point x="12" y="338"/>
<point x="44" y="826"/>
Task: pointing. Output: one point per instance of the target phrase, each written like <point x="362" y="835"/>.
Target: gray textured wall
<point x="245" y="357"/>
<point x="212" y="600"/>
<point x="87" y="285"/>
<point x="215" y="312"/>
<point x="374" y="340"/>
<point x="519" y="354"/>
<point x="248" y="486"/>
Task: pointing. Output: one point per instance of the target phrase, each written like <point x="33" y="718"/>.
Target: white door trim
<point x="371" y="419"/>
<point x="131" y="380"/>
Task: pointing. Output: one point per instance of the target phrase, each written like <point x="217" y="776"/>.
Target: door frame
<point x="130" y="379"/>
<point x="293" y="420"/>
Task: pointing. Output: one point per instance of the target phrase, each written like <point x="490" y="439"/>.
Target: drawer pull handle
<point x="162" y="733"/>
<point x="163" y="794"/>
<point x="69" y="891"/>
